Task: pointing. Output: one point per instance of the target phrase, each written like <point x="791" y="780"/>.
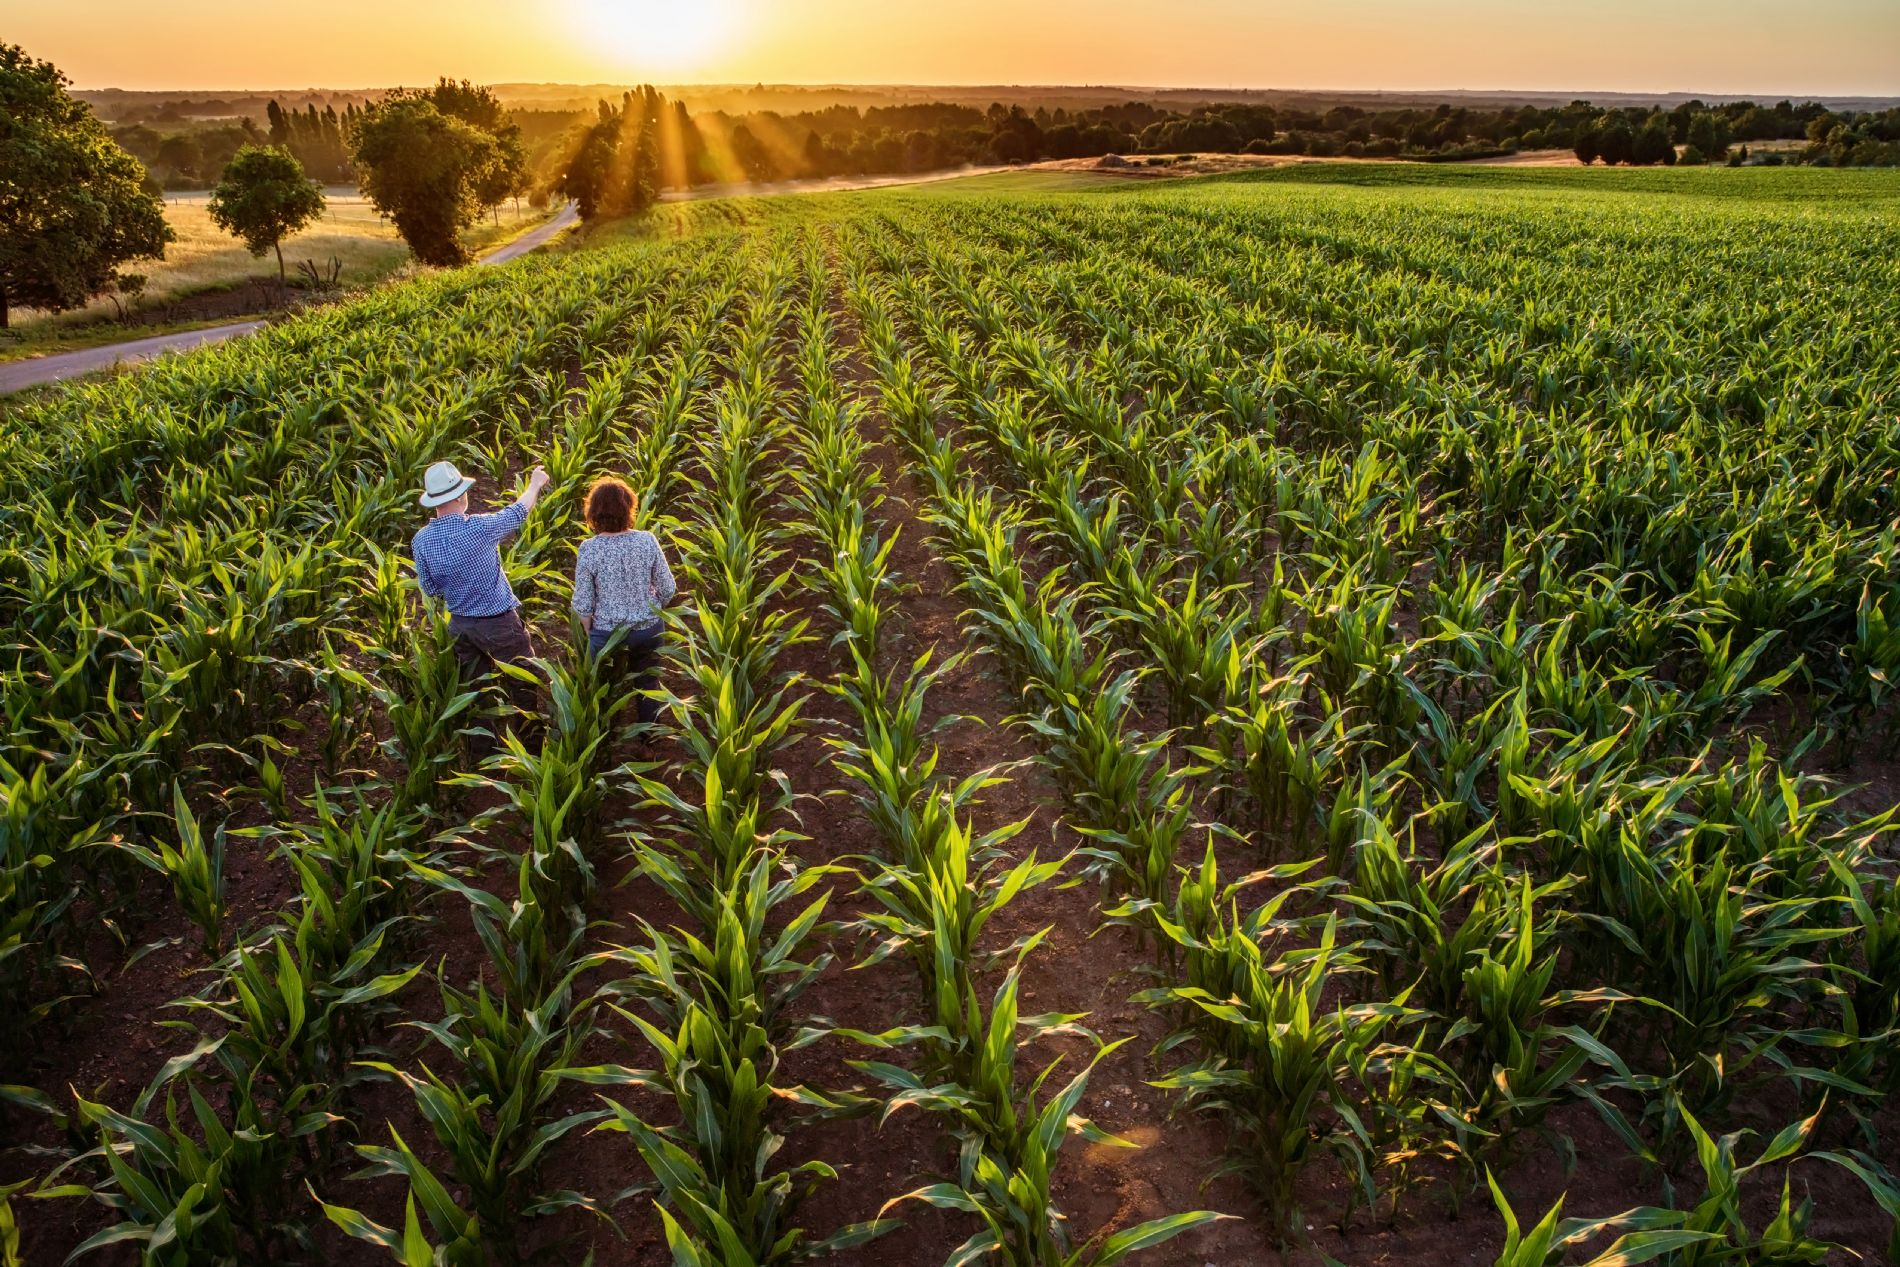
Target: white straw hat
<point x="442" y="484"/>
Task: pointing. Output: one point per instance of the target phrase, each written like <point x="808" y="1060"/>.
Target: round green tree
<point x="426" y="171"/>
<point x="72" y="203"/>
<point x="264" y="197"/>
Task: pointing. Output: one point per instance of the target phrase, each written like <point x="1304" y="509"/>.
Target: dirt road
<point x="38" y="371"/>
<point x="829" y="185"/>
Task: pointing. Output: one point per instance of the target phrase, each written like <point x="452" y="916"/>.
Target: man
<point x="458" y="560"/>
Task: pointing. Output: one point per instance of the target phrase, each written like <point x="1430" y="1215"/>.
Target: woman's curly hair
<point x="610" y="505"/>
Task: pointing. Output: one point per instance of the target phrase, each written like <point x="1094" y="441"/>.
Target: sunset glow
<point x="658" y="36"/>
<point x="1714" y="46"/>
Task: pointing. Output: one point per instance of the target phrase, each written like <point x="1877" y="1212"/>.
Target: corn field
<point x="1340" y="717"/>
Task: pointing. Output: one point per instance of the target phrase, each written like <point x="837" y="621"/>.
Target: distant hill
<point x="118" y="103"/>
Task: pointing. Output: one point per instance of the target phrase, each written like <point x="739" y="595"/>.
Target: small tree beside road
<point x="263" y="198"/>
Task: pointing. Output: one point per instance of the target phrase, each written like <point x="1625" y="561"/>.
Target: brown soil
<point x="1529" y="158"/>
<point x="1165" y="166"/>
<point x="252" y="297"/>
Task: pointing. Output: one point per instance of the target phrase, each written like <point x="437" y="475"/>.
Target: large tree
<point x="1014" y="136"/>
<point x="1589" y="145"/>
<point x="615" y="164"/>
<point x="644" y="110"/>
<point x="72" y="205"/>
<point x="425" y="170"/>
<point x="478" y="106"/>
<point x="264" y="197"/>
<point x="754" y="158"/>
<point x="589" y="168"/>
<point x="1652" y="145"/>
<point x="685" y="155"/>
<point x="180" y="156"/>
<point x="1616" y="142"/>
<point x="1709" y="132"/>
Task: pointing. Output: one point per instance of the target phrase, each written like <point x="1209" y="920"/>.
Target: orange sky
<point x="1811" y="47"/>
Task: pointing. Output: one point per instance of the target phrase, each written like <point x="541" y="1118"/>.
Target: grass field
<point x="204" y="258"/>
<point x="1355" y="700"/>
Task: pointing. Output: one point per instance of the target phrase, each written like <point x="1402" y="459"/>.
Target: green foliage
<point x="427" y="171"/>
<point x="196" y="869"/>
<point x="614" y="163"/>
<point x="478" y="106"/>
<point x="73" y="206"/>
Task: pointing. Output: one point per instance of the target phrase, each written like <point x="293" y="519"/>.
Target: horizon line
<point x="819" y="85"/>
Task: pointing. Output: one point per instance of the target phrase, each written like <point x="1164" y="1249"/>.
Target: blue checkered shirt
<point x="458" y="560"/>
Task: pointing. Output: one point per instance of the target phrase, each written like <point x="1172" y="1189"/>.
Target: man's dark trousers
<point x="483" y="641"/>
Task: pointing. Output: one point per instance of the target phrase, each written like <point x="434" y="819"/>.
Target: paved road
<point x="533" y="238"/>
<point x="16" y="375"/>
<point x="38" y="371"/>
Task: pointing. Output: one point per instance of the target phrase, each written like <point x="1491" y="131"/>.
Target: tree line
<point x="320" y="140"/>
<point x="844" y="140"/>
<point x="622" y="158"/>
<point x="617" y="164"/>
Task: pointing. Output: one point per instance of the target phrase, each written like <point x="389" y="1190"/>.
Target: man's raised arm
<point x="537" y="480"/>
<point x="507" y="522"/>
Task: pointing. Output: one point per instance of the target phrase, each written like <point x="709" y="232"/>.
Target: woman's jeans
<point x="638" y="656"/>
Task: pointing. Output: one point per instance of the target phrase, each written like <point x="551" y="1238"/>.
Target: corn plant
<point x="1551" y="1241"/>
<point x="1709" y="961"/>
<point x="1718" y="1229"/>
<point x="41" y="848"/>
<point x="1014" y="1137"/>
<point x="428" y="707"/>
<point x="1862" y="967"/>
<point x="10" y="1227"/>
<point x="1276" y="1062"/>
<point x="459" y="1241"/>
<point x="717" y="1058"/>
<point x="203" y="1193"/>
<point x="1514" y="1059"/>
<point x="935" y="908"/>
<point x="1266" y="752"/>
<point x="1424" y="926"/>
<point x="196" y="870"/>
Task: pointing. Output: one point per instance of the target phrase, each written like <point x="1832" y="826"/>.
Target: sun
<point x="671" y="35"/>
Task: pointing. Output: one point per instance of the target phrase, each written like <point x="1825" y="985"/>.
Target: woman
<point x="621" y="582"/>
